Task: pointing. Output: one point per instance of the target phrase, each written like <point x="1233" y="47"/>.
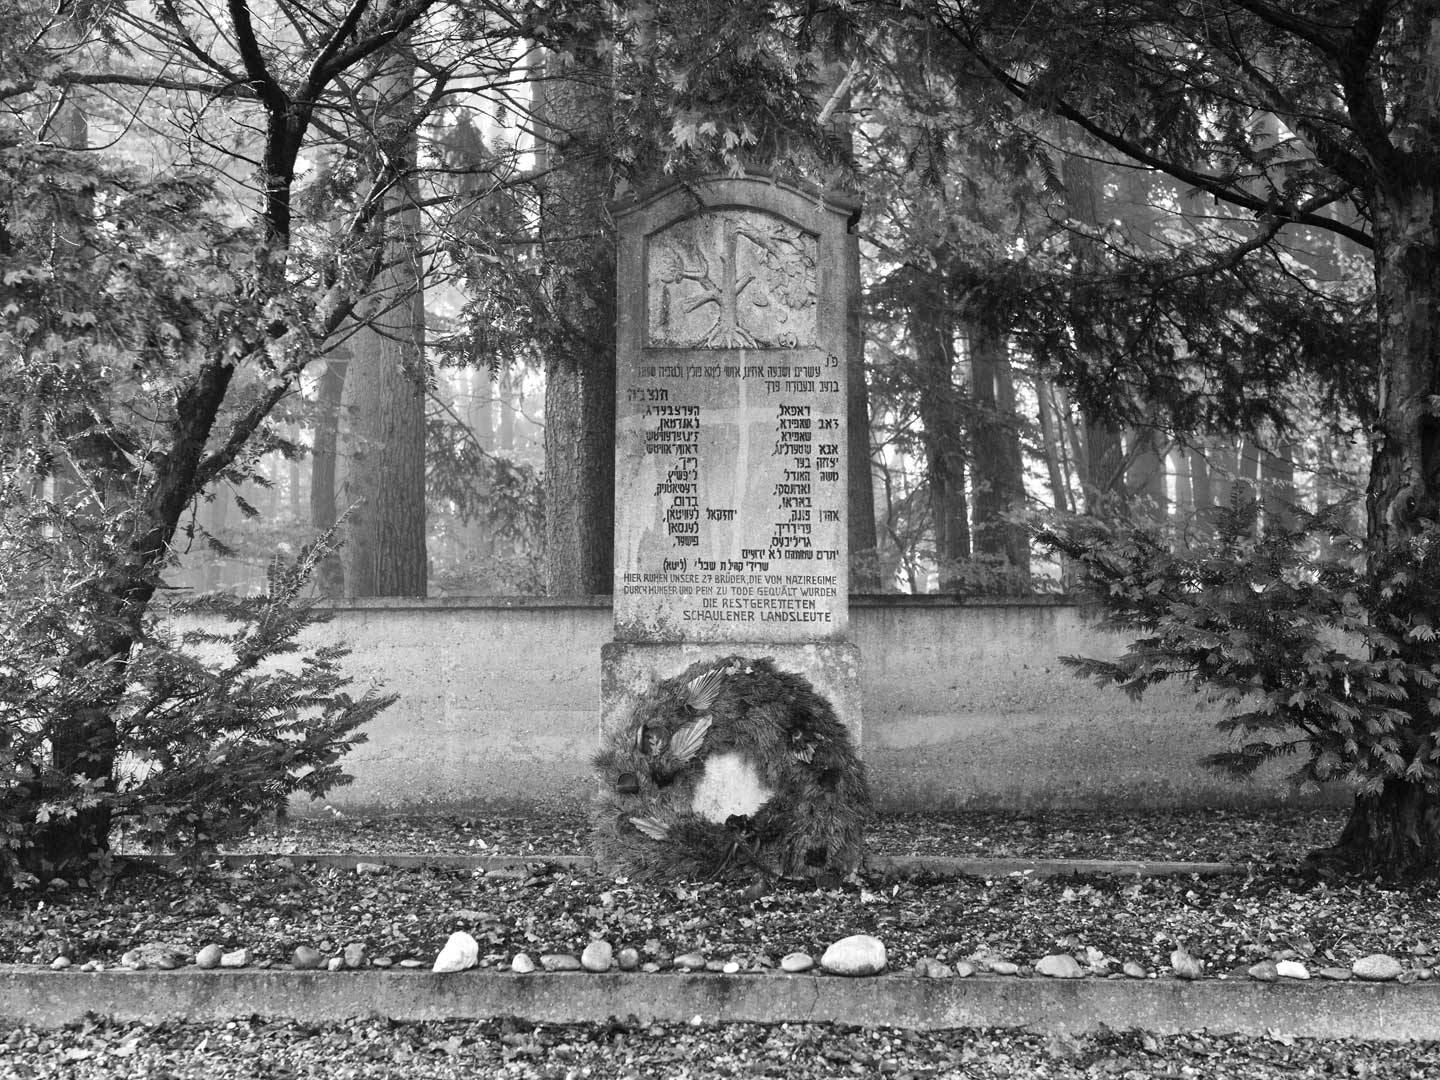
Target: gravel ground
<point x="1273" y="911"/>
<point x="501" y="1048"/>
<point x="1268" y="836"/>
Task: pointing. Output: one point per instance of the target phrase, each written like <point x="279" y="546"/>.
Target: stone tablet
<point x="730" y="459"/>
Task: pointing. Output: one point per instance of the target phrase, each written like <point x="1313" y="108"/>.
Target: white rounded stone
<point x="858" y="954"/>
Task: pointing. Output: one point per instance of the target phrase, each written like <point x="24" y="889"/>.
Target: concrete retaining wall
<point x="965" y="706"/>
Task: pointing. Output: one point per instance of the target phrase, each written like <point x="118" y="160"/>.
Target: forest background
<point x="1049" y="326"/>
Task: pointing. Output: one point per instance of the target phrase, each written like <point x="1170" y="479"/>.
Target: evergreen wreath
<point x="722" y="730"/>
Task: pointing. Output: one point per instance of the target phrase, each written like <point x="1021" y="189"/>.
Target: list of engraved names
<point x="744" y="446"/>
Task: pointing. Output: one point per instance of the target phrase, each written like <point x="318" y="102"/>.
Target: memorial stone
<point x="730" y="507"/>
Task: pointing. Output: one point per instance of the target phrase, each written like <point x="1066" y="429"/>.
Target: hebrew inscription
<point x="731" y="279"/>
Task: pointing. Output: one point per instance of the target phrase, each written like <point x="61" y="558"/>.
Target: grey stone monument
<point x="730" y="464"/>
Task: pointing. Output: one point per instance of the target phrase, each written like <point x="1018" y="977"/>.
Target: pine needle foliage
<point x="220" y="715"/>
<point x="1333" y="658"/>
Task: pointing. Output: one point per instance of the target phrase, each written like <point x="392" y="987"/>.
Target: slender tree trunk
<point x="384" y="394"/>
<point x="579" y="245"/>
<point x="1054" y="445"/>
<point x="932" y="336"/>
<point x="1277" y="486"/>
<point x="860" y="495"/>
<point x="998" y="465"/>
<point x="330" y="578"/>
<point x="1145" y="474"/>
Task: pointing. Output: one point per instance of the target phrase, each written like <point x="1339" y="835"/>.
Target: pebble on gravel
<point x="1133" y="970"/>
<point x="208" y="957"/>
<point x="627" y="959"/>
<point x="796" y="962"/>
<point x="369" y="868"/>
<point x="730" y="967"/>
<point x="1060" y="966"/>
<point x="237" y="959"/>
<point x="522" y="964"/>
<point x="597" y="957"/>
<point x="1377" y="967"/>
<point x="1004" y="967"/>
<point x="964" y="969"/>
<point x="132" y="959"/>
<point x="934" y="969"/>
<point x="357" y="955"/>
<point x="858" y="954"/>
<point x="560" y="962"/>
<point x="1335" y="974"/>
<point x="335" y="963"/>
<point x="1185" y="966"/>
<point x="60" y="963"/>
<point x="459" y="953"/>
<point x="690" y="961"/>
<point x="412" y="963"/>
<point x="1264" y="971"/>
<point x="1292" y="969"/>
<point x="306" y="958"/>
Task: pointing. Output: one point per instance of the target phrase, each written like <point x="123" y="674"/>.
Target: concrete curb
<point x="902" y="865"/>
<point x="1388" y="1011"/>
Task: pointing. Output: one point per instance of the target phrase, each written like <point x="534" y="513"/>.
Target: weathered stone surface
<point x="522" y="964"/>
<point x="132" y="959"/>
<point x="627" y="959"/>
<point x="1377" y="967"/>
<point x="1264" y="971"/>
<point x="691" y="961"/>
<point x="1134" y="970"/>
<point x="964" y="969"/>
<point x="369" y="868"/>
<point x="1060" y="966"/>
<point x="164" y="955"/>
<point x="796" y="962"/>
<point x="1004" y="967"/>
<point x="237" y="958"/>
<point x="335" y="963"/>
<point x="858" y="954"/>
<point x="60" y="963"/>
<point x="1292" y="969"/>
<point x="1335" y="974"/>
<point x="208" y="957"/>
<point x="598" y="956"/>
<point x="560" y="962"/>
<point x="730" y="440"/>
<point x="460" y="952"/>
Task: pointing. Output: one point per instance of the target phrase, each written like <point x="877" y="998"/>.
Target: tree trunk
<point x="578" y="239"/>
<point x="1277" y="486"/>
<point x="1202" y="495"/>
<point x="1145" y="475"/>
<point x="1054" y="444"/>
<point x="999" y="495"/>
<point x="1394" y="833"/>
<point x="1398" y="831"/>
<point x="860" y="496"/>
<point x="330" y="576"/>
<point x="1104" y="467"/>
<point x="384" y="393"/>
<point x="932" y="336"/>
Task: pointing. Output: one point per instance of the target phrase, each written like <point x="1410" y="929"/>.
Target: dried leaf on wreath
<point x="688" y="739"/>
<point x="650" y="827"/>
<point x="702" y="690"/>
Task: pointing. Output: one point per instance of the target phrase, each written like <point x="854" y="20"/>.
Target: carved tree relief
<point x="731" y="279"/>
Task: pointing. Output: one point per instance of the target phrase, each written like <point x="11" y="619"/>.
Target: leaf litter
<point x="1275" y="910"/>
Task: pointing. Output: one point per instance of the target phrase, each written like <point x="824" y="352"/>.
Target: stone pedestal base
<point x="628" y="669"/>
